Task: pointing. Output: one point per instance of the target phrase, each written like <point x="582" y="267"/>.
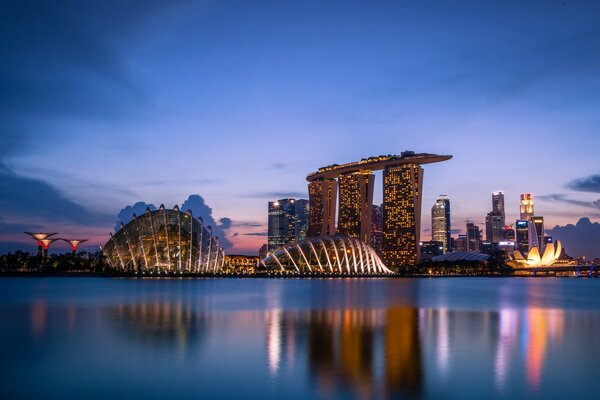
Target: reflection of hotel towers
<point x="342" y="348"/>
<point x="42" y="241"/>
<point x="402" y="192"/>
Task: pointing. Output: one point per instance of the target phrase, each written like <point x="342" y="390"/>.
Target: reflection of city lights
<point x="273" y="341"/>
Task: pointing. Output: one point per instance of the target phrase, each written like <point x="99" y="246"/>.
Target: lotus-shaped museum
<point x="326" y="254"/>
<point x="164" y="241"/>
<point x="551" y="255"/>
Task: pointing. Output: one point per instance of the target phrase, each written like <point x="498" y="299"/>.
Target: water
<point x="99" y="338"/>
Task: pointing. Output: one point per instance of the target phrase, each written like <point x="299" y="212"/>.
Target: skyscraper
<point x="402" y="191"/>
<point x="522" y="235"/>
<point x="440" y="222"/>
<point x="282" y="223"/>
<point x="377" y="229"/>
<point x="473" y="237"/>
<point x="496" y="219"/>
<point x="322" y="195"/>
<point x="498" y="201"/>
<point x="536" y="233"/>
<point x="302" y="216"/>
<point x="526" y="206"/>
<point x="356" y="200"/>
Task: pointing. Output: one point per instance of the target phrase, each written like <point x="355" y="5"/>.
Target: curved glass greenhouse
<point x="165" y="241"/>
<point x="326" y="254"/>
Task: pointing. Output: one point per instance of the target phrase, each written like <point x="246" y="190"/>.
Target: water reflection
<point x="361" y="351"/>
<point x="165" y="324"/>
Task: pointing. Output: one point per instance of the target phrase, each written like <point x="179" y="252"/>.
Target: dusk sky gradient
<point x="108" y="103"/>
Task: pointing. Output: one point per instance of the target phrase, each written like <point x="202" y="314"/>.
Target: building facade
<point x="302" y="218"/>
<point x="526" y="207"/>
<point x="522" y="235"/>
<point x="355" y="203"/>
<point x="282" y="222"/>
<point x="473" y="237"/>
<point x="440" y="222"/>
<point x="402" y="192"/>
<point x="322" y="196"/>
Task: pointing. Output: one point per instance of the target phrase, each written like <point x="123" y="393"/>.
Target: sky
<point x="108" y="104"/>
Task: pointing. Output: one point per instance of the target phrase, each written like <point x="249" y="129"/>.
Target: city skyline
<point x="88" y="118"/>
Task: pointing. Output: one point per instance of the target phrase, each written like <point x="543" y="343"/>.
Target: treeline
<point x="83" y="261"/>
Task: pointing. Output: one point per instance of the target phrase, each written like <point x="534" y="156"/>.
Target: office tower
<point x="440" y="222"/>
<point x="494" y="227"/>
<point x="526" y="206"/>
<point x="473" y="237"/>
<point x="322" y="198"/>
<point x="402" y="191"/>
<point x="536" y="233"/>
<point x="495" y="220"/>
<point x="377" y="229"/>
<point x="302" y="217"/>
<point x="522" y="235"/>
<point x="282" y="221"/>
<point x="356" y="200"/>
<point x="498" y="201"/>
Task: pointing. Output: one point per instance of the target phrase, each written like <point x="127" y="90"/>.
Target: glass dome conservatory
<point x="326" y="254"/>
<point x="165" y="241"/>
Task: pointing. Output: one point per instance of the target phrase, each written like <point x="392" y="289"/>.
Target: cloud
<point x="256" y="234"/>
<point x="587" y="184"/>
<point x="67" y="59"/>
<point x="249" y="224"/>
<point x="31" y="199"/>
<point x="581" y="239"/>
<point x="278" y="165"/>
<point x="126" y="213"/>
<point x="561" y="198"/>
<point x="199" y="209"/>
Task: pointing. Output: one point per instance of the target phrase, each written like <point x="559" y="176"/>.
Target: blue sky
<point x="108" y="104"/>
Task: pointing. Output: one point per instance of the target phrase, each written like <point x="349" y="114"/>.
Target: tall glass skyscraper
<point x="440" y="222"/>
<point x="302" y="214"/>
<point x="496" y="219"/>
<point x="282" y="223"/>
<point x="526" y="206"/>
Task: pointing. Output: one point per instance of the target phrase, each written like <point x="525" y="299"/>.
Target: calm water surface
<point x="98" y="338"/>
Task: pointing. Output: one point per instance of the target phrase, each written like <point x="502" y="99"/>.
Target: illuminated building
<point x="327" y="254"/>
<point x="536" y="233"/>
<point x="377" y="229"/>
<point x="356" y="200"/>
<point x="74" y="243"/>
<point x="496" y="219"/>
<point x="440" y="222"/>
<point x="508" y="233"/>
<point x="431" y="249"/>
<point x="522" y="235"/>
<point x="526" y="206"/>
<point x="39" y="236"/>
<point x="535" y="258"/>
<point x="282" y="222"/>
<point x="302" y="217"/>
<point x="473" y="237"/>
<point x="322" y="195"/>
<point x="498" y="201"/>
<point x="240" y="263"/>
<point x="165" y="241"/>
<point x="494" y="227"/>
<point x="402" y="193"/>
<point x="263" y="251"/>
